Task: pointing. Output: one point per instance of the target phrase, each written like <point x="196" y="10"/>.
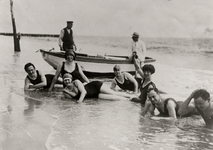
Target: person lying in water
<point x="36" y="80"/>
<point x="202" y="104"/>
<point x="168" y="107"/>
<point x="76" y="89"/>
<point x="125" y="80"/>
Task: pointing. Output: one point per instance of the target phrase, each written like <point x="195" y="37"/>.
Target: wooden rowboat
<point x="94" y="66"/>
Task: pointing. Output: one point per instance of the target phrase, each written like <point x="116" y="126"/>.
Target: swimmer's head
<point x="28" y="65"/>
<point x="67" y="78"/>
<point x="202" y="99"/>
<point x="149" y="67"/>
<point x="203" y="94"/>
<point x="153" y="95"/>
<point x="116" y="68"/>
<point x="69" y="52"/>
<point x="153" y="89"/>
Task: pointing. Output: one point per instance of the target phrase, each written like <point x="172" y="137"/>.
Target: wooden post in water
<point x="15" y="37"/>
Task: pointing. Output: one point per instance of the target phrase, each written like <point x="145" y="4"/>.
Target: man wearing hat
<point x="138" y="49"/>
<point x="66" y="40"/>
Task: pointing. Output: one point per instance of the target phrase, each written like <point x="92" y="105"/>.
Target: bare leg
<point x="106" y="90"/>
<point x="110" y="97"/>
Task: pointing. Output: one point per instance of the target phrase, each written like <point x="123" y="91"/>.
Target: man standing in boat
<point x="138" y="50"/>
<point x="66" y="40"/>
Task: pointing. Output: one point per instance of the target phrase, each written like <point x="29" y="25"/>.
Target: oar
<point x="117" y="56"/>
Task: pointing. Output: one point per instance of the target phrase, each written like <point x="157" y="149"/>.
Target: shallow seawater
<point x="43" y="120"/>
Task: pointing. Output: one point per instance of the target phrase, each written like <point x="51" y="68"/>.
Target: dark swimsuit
<point x="166" y="112"/>
<point x="92" y="88"/>
<point x="49" y="78"/>
<point x="143" y="90"/>
<point x="127" y="85"/>
<point x="75" y="74"/>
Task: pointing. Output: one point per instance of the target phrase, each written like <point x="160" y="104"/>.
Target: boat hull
<point x="93" y="66"/>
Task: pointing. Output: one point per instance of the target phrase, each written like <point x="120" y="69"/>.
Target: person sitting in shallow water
<point x="146" y="73"/>
<point x="94" y="89"/>
<point x="36" y="80"/>
<point x="125" y="80"/>
<point x="202" y="104"/>
<point x="167" y="107"/>
<point x="69" y="66"/>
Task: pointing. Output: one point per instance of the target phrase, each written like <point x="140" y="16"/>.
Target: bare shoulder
<point x="40" y="72"/>
<point x="127" y="74"/>
<point x="26" y="79"/>
<point x="171" y="102"/>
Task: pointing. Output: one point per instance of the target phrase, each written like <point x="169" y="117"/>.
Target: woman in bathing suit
<point x="125" y="80"/>
<point x="94" y="89"/>
<point x="36" y="80"/>
<point x="146" y="73"/>
<point x="71" y="67"/>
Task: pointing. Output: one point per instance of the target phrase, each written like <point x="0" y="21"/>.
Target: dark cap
<point x="67" y="75"/>
<point x="70" y="51"/>
<point x="69" y="21"/>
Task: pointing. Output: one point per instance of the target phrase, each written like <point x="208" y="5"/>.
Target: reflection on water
<point x="32" y="104"/>
<point x="43" y="120"/>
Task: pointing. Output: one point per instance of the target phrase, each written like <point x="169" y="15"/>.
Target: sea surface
<point x="44" y="120"/>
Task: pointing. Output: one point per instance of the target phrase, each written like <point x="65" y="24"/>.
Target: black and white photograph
<point x="106" y="74"/>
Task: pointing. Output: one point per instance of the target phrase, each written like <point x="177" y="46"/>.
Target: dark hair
<point x="116" y="67"/>
<point x="203" y="94"/>
<point x="154" y="89"/>
<point x="27" y="65"/>
<point x="149" y="67"/>
<point x="69" y="52"/>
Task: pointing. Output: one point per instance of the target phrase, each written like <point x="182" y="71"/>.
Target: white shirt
<point x="140" y="48"/>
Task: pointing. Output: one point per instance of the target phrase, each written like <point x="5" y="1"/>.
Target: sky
<point x="150" y="18"/>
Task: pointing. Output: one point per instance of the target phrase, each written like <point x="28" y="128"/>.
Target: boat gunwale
<point x="88" y="58"/>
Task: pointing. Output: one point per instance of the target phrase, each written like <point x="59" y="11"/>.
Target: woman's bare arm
<point x="58" y="71"/>
<point x="132" y="79"/>
<point x="82" y="74"/>
<point x="81" y="89"/>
